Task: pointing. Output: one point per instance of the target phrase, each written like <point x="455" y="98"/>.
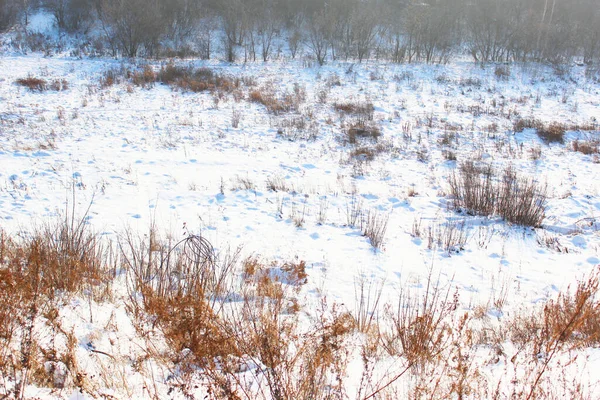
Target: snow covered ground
<point x="155" y="155"/>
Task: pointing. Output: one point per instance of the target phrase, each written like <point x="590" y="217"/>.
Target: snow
<point x="157" y="155"/>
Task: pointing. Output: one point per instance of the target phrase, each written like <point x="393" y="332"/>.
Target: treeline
<point x="429" y="31"/>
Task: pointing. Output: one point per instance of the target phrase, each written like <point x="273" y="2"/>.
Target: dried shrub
<point x="278" y="103"/>
<point x="299" y="127"/>
<point x="360" y="130"/>
<point x="363" y="111"/>
<point x="420" y="330"/>
<point x="199" y="80"/>
<point x="553" y="133"/>
<point x="374" y="227"/>
<point x="179" y="289"/>
<point x="527" y="123"/>
<point x="502" y="72"/>
<point x="144" y="78"/>
<point x="32" y="83"/>
<point x="478" y="191"/>
<point x="568" y="323"/>
<point x="37" y="273"/>
<point x="587" y="147"/>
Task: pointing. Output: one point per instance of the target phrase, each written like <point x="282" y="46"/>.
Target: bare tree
<point x="364" y="27"/>
<point x="183" y="18"/>
<point x="206" y="33"/>
<point x="232" y="12"/>
<point x="588" y="32"/>
<point x="267" y="27"/>
<point x="319" y="35"/>
<point x="489" y="30"/>
<point x="8" y="13"/>
<point x="132" y="24"/>
<point x="71" y="15"/>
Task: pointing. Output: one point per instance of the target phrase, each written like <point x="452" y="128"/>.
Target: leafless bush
<point x="450" y="236"/>
<point x="236" y="116"/>
<point x="367" y="297"/>
<point x="374" y="227"/>
<point x="518" y="200"/>
<point x="277" y="183"/>
<point x="420" y="330"/>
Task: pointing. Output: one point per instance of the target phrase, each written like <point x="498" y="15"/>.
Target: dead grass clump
<point x="360" y="130"/>
<point x="527" y="123"/>
<point x="37" y="273"/>
<point x="553" y="133"/>
<point x="297" y="127"/>
<point x="587" y="147"/>
<point x="179" y="289"/>
<point x="144" y="78"/>
<point x="364" y="153"/>
<point x="32" y="83"/>
<point x="365" y="111"/>
<point x="199" y="80"/>
<point x="502" y="72"/>
<point x="374" y="227"/>
<point x="278" y="103"/>
<point x="570" y="322"/>
<point x="516" y="199"/>
<point x="420" y="330"/>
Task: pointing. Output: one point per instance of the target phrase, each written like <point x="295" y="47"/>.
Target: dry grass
<point x="587" y="147"/>
<point x="519" y="200"/>
<point x="552" y="133"/>
<point x="40" y="85"/>
<point x="374" y="227"/>
<point x="37" y="273"/>
<point x="32" y="83"/>
<point x="278" y="103"/>
<point x="199" y="80"/>
<point x="240" y="325"/>
<point x="365" y="110"/>
<point x="362" y="131"/>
